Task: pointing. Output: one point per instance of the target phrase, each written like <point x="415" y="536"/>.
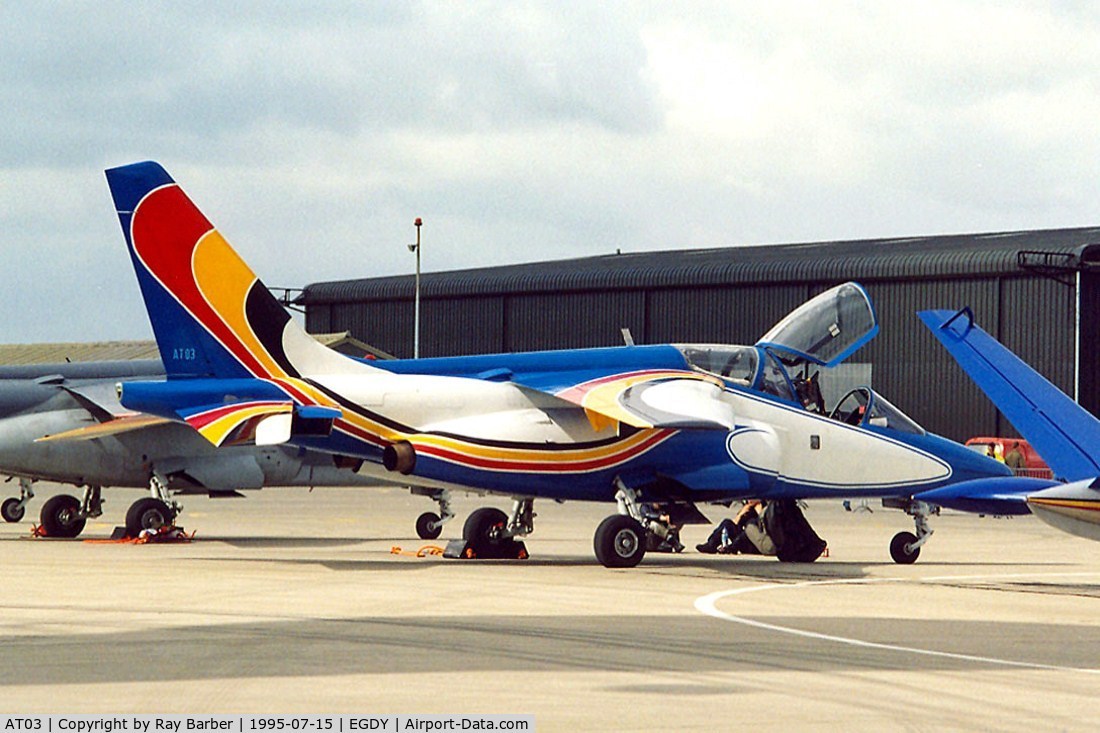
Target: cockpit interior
<point x="789" y="360"/>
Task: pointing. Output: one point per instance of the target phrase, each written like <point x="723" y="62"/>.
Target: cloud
<point x="313" y="134"/>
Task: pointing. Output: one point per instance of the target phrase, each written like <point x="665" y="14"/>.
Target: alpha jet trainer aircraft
<point x="1066" y="435"/>
<point x="637" y="425"/>
<point x="64" y="423"/>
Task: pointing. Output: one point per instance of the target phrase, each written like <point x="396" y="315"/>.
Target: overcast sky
<point x="313" y="134"/>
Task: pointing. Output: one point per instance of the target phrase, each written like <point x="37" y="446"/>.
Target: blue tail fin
<point x="211" y="315"/>
<point x="1064" y="433"/>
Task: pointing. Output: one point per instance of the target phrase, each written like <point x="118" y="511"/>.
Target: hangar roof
<point x="953" y="255"/>
<point x="17" y="354"/>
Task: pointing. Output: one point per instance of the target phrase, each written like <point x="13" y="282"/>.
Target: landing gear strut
<point x="905" y="547"/>
<point x="154" y="511"/>
<point x="14" y="509"/>
<point x="65" y="515"/>
<point x="429" y="525"/>
<point x="621" y="539"/>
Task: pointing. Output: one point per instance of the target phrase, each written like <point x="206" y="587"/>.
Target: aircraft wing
<point x="115" y="426"/>
<point x="653" y="399"/>
<point x="1065" y="434"/>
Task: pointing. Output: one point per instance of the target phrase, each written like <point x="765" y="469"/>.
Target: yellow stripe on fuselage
<point x="1091" y="506"/>
<point x="604" y="398"/>
<point x="218" y="430"/>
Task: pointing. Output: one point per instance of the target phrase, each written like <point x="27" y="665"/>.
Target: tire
<point x="147" y="513"/>
<point x="478" y="531"/>
<point x="11" y="511"/>
<point x="898" y="550"/>
<point x="619" y="542"/>
<point x="60" y="516"/>
<point x="428" y="526"/>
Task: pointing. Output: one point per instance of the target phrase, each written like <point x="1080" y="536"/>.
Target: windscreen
<point x="828" y="328"/>
<point x="735" y="363"/>
<point x="863" y="406"/>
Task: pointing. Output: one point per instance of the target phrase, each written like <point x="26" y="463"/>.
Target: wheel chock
<point x="463" y="550"/>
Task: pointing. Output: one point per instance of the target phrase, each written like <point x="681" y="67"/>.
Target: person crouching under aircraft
<point x="745" y="534"/>
<point x="775" y="528"/>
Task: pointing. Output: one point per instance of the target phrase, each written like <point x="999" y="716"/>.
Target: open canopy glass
<point x="826" y="329"/>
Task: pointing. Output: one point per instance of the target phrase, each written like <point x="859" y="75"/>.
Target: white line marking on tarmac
<point x="708" y="605"/>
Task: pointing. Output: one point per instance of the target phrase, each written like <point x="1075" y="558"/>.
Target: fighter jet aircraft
<point x="61" y="423"/>
<point x="1066" y="435"/>
<point x="667" y="425"/>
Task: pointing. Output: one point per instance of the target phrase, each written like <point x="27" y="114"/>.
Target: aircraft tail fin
<point x="1064" y="433"/>
<point x="211" y="315"/>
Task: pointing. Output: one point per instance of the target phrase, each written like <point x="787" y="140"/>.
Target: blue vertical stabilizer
<point x="1065" y="434"/>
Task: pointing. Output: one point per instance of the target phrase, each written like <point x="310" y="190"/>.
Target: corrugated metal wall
<point x="717" y="314"/>
<point x="1033" y="315"/>
<point x="572" y="320"/>
<point x="913" y="371"/>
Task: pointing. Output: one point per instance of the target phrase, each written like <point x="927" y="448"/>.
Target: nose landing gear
<point x="905" y="546"/>
<point x="14" y="509"/>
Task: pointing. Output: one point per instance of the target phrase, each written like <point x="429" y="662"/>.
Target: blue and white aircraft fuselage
<point x="640" y="425"/>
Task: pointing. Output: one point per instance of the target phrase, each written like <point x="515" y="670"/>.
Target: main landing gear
<point x="489" y="533"/>
<point x="905" y="546"/>
<point x="152" y="512"/>
<point x="429" y="525"/>
<point x="14" y="509"/>
<point x="621" y="539"/>
<point x="65" y="516"/>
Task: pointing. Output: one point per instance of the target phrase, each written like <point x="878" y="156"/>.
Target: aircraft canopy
<point x="826" y="329"/>
<point x="864" y="406"/>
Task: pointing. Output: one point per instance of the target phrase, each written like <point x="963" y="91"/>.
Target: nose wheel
<point x="905" y="546"/>
<point x="13" y="510"/>
<point x="429" y="525"/>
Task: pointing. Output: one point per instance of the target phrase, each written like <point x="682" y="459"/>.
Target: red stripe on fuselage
<point x="536" y="466"/>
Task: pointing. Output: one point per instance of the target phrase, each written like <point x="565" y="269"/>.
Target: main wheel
<point x="482" y="530"/>
<point x="11" y="511"/>
<point x="60" y="516"/>
<point x="619" y="542"/>
<point x="428" y="526"/>
<point x="147" y="513"/>
<point x="899" y="548"/>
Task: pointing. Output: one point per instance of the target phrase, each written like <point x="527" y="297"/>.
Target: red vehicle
<point x="1034" y="466"/>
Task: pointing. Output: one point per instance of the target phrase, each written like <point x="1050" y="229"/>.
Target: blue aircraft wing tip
<point x="130" y="183"/>
<point x="958" y="323"/>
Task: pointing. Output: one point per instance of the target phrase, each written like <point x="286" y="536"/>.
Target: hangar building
<point x="1036" y="291"/>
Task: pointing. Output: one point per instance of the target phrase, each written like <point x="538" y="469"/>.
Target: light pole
<point x="416" y="298"/>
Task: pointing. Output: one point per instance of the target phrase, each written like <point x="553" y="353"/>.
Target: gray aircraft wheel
<point x="147" y="513"/>
<point x="11" y="511"/>
<point x="898" y="549"/>
<point x="482" y="529"/>
<point x="428" y="526"/>
<point x="619" y="542"/>
<point x="60" y="516"/>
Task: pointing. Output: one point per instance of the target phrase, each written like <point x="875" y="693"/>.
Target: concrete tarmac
<point x="292" y="602"/>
